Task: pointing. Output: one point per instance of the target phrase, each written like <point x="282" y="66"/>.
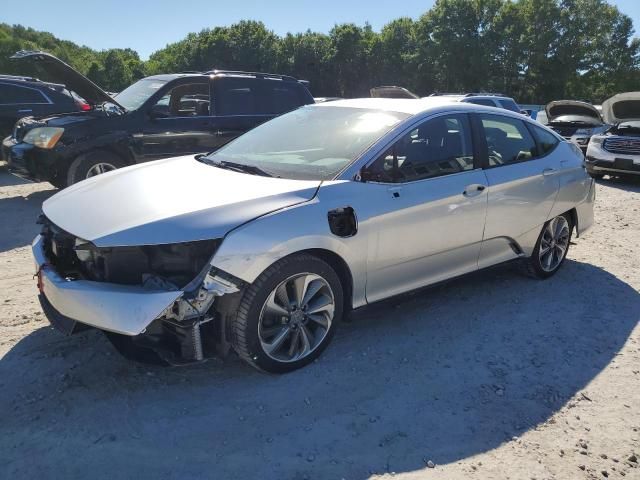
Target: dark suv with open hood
<point x="157" y="117"/>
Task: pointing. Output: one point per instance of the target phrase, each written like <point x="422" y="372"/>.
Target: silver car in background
<point x="616" y="152"/>
<point x="263" y="246"/>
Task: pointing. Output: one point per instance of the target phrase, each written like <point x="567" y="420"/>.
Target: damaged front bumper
<point x="165" y="321"/>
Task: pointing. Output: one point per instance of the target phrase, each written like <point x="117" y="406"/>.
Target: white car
<point x="263" y="245"/>
<point x="576" y="121"/>
<point x="617" y="151"/>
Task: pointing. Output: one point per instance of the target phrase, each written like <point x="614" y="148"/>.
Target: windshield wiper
<point x="236" y="167"/>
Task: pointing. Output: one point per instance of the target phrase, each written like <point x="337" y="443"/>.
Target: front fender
<point x="249" y="250"/>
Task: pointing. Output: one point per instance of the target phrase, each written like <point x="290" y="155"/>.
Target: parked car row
<point x="608" y="135"/>
<point x="157" y="117"/>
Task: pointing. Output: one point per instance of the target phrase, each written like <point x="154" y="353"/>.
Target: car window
<point x="279" y="97"/>
<point x="437" y="147"/>
<point x="482" y="101"/>
<point x="237" y="96"/>
<point x="13" y="94"/>
<point x="508" y="140"/>
<point x="509" y="104"/>
<point x="547" y="141"/>
<point x="187" y="100"/>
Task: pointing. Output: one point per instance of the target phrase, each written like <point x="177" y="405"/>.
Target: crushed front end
<point x="152" y="301"/>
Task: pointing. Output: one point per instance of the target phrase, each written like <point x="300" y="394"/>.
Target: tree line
<point x="533" y="50"/>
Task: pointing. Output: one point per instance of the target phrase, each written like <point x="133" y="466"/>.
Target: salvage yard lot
<point x="491" y="376"/>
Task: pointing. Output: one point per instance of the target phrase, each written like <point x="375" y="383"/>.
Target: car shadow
<point x="441" y="375"/>
<point x="7" y="179"/>
<point x="629" y="184"/>
<point x="21" y="213"/>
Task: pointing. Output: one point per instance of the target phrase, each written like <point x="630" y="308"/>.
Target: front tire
<point x="288" y="316"/>
<point x="551" y="248"/>
<point x="91" y="164"/>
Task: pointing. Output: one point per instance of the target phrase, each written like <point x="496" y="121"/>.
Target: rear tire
<point x="288" y="316"/>
<point x="93" y="163"/>
<point x="551" y="248"/>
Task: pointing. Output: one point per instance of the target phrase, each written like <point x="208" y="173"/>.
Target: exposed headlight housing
<point x="176" y="263"/>
<point x="597" y="140"/>
<point x="43" y="137"/>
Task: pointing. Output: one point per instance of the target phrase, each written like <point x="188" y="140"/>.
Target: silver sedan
<point x="263" y="246"/>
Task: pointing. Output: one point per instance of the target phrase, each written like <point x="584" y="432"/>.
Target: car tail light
<point x="84" y="106"/>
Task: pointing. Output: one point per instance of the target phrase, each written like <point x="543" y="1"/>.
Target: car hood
<point x="60" y="72"/>
<point x="623" y="107"/>
<point x="570" y="107"/>
<point x="169" y="201"/>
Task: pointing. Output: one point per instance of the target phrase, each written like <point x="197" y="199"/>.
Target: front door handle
<point x="548" y="171"/>
<point x="473" y="190"/>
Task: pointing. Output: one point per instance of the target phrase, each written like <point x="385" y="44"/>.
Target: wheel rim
<point x="554" y="243"/>
<point x="296" y="317"/>
<point x="99" y="168"/>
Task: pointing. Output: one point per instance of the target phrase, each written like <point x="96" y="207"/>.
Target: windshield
<point x="135" y="95"/>
<point x="311" y="143"/>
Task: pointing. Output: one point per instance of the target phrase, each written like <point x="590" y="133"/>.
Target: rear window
<point x="13" y="94"/>
<point x="280" y="97"/>
<point x="236" y="96"/>
<point x="509" y="105"/>
<point x="547" y="141"/>
<point x="482" y="101"/>
<point x="626" y="109"/>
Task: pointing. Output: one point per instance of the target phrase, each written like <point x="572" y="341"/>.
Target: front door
<point x="179" y="123"/>
<point x="427" y="202"/>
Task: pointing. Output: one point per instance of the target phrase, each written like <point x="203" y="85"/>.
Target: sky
<point x="147" y="25"/>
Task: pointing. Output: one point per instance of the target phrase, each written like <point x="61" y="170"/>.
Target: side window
<point x="509" y="105"/>
<point x="15" y="95"/>
<point x="508" y="140"/>
<point x="237" y="96"/>
<point x="188" y="100"/>
<point x="482" y="101"/>
<point x="279" y="96"/>
<point x="437" y="147"/>
<point x="547" y="141"/>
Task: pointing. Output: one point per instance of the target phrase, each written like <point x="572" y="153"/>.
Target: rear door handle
<point x="473" y="190"/>
<point x="548" y="171"/>
<point x="26" y="110"/>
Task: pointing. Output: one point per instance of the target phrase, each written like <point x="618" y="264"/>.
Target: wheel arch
<point x="341" y="268"/>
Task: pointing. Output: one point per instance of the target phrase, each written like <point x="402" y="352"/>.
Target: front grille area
<point x="622" y="145"/>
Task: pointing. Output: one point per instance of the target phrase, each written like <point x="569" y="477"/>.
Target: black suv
<point x="26" y="96"/>
<point x="157" y="117"/>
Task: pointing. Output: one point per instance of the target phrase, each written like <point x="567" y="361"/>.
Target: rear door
<point x="180" y="122"/>
<point x="523" y="185"/>
<point x="244" y="102"/>
<point x="18" y="101"/>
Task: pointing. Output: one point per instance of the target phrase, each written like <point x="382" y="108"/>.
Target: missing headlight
<point x="176" y="263"/>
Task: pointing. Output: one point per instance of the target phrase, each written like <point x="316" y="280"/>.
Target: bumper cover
<point x="28" y="161"/>
<point x="601" y="161"/>
<point x="123" y="309"/>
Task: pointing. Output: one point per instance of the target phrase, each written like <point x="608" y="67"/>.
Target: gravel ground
<point x="491" y="376"/>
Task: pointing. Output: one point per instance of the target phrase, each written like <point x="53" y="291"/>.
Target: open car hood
<point x="169" y="201"/>
<point x="60" y="72"/>
<point x="570" y="107"/>
<point x="623" y="107"/>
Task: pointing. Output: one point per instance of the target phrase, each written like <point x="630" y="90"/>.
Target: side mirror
<point x="159" y="111"/>
<point x="365" y="175"/>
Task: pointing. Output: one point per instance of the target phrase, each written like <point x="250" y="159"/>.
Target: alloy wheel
<point x="554" y="243"/>
<point x="99" y="168"/>
<point x="296" y="317"/>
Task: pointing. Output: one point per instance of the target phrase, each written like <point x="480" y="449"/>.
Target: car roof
<point x="415" y="107"/>
<point x="30" y="81"/>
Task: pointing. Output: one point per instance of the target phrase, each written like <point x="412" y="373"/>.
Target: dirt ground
<point x="491" y="376"/>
